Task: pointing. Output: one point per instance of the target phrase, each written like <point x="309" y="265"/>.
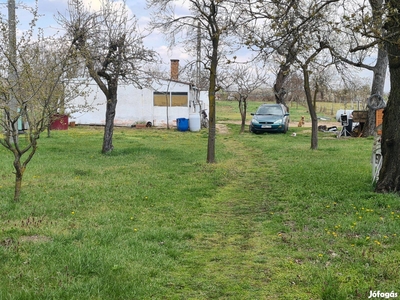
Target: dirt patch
<point x="222" y="128"/>
<point x="34" y="238"/>
<point x="8" y="242"/>
<point x="308" y="124"/>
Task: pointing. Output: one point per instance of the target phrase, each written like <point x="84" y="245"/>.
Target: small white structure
<point x="161" y="103"/>
<point x="340" y="112"/>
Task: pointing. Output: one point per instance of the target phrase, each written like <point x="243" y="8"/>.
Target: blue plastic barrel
<point x="182" y="124"/>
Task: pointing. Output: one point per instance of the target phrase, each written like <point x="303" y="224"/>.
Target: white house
<point x="161" y="103"/>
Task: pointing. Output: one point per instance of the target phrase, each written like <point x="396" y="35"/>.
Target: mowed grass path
<point x="270" y="220"/>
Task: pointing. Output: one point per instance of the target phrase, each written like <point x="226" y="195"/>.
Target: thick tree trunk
<point x="378" y="84"/>
<point x="281" y="77"/>
<point x="279" y="90"/>
<point x="379" y="70"/>
<point x="110" y="116"/>
<point x="389" y="176"/>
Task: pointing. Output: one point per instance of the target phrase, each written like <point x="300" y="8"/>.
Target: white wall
<point x="134" y="105"/>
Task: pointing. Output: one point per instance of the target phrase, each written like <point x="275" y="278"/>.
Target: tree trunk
<point x="211" y="96"/>
<point x="379" y="70"/>
<point x="377" y="88"/>
<point x="389" y="176"/>
<point x="18" y="187"/>
<point x="313" y="114"/>
<point x="19" y="172"/>
<point x="283" y="73"/>
<point x="243" y="111"/>
<point x="279" y="90"/>
<point x="211" y="120"/>
<point x="110" y="116"/>
<point x="316" y="91"/>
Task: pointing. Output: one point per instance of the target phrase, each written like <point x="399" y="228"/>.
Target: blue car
<point x="270" y="118"/>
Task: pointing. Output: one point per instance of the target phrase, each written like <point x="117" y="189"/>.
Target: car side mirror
<point x="252" y="114"/>
<point x="286" y="115"/>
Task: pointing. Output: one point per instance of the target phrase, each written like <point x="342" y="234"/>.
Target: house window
<point x="161" y="99"/>
<point x="171" y="99"/>
<point x="179" y="99"/>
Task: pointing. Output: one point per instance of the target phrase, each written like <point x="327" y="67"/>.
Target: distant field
<point x="229" y="111"/>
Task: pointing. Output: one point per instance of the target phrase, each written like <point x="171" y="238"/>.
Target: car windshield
<point x="269" y="110"/>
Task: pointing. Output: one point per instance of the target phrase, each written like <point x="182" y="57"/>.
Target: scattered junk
<point x="376" y="102"/>
<point x="341" y="112"/>
<point x="347" y="125"/>
<point x="182" y="124"/>
<point x="197" y="118"/>
<point x="59" y="122"/>
<point x="345" y="117"/>
<point x="204" y="119"/>
<point x="325" y="128"/>
<point x="147" y="124"/>
<point x="194" y="121"/>
<point x="360" y="117"/>
<point x="353" y="122"/>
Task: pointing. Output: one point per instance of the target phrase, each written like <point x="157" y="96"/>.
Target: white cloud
<point x="93" y="5"/>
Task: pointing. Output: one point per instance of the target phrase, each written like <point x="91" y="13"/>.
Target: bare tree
<point x="215" y="19"/>
<point x="301" y="32"/>
<point x="112" y="49"/>
<point x="38" y="89"/>
<point x="242" y="81"/>
<point x="305" y="66"/>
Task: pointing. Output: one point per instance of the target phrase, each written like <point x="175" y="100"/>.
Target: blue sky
<point x="49" y="8"/>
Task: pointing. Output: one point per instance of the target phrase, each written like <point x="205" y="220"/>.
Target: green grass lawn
<point x="270" y="220"/>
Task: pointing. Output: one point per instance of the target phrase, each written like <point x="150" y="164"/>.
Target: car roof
<point x="276" y="104"/>
<point x="273" y="105"/>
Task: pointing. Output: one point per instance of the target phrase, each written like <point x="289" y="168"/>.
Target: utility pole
<point x="198" y="62"/>
<point x="12" y="60"/>
<point x="198" y="66"/>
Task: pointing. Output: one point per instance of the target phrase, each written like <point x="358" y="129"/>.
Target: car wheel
<point x="286" y="128"/>
<point x="252" y="130"/>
